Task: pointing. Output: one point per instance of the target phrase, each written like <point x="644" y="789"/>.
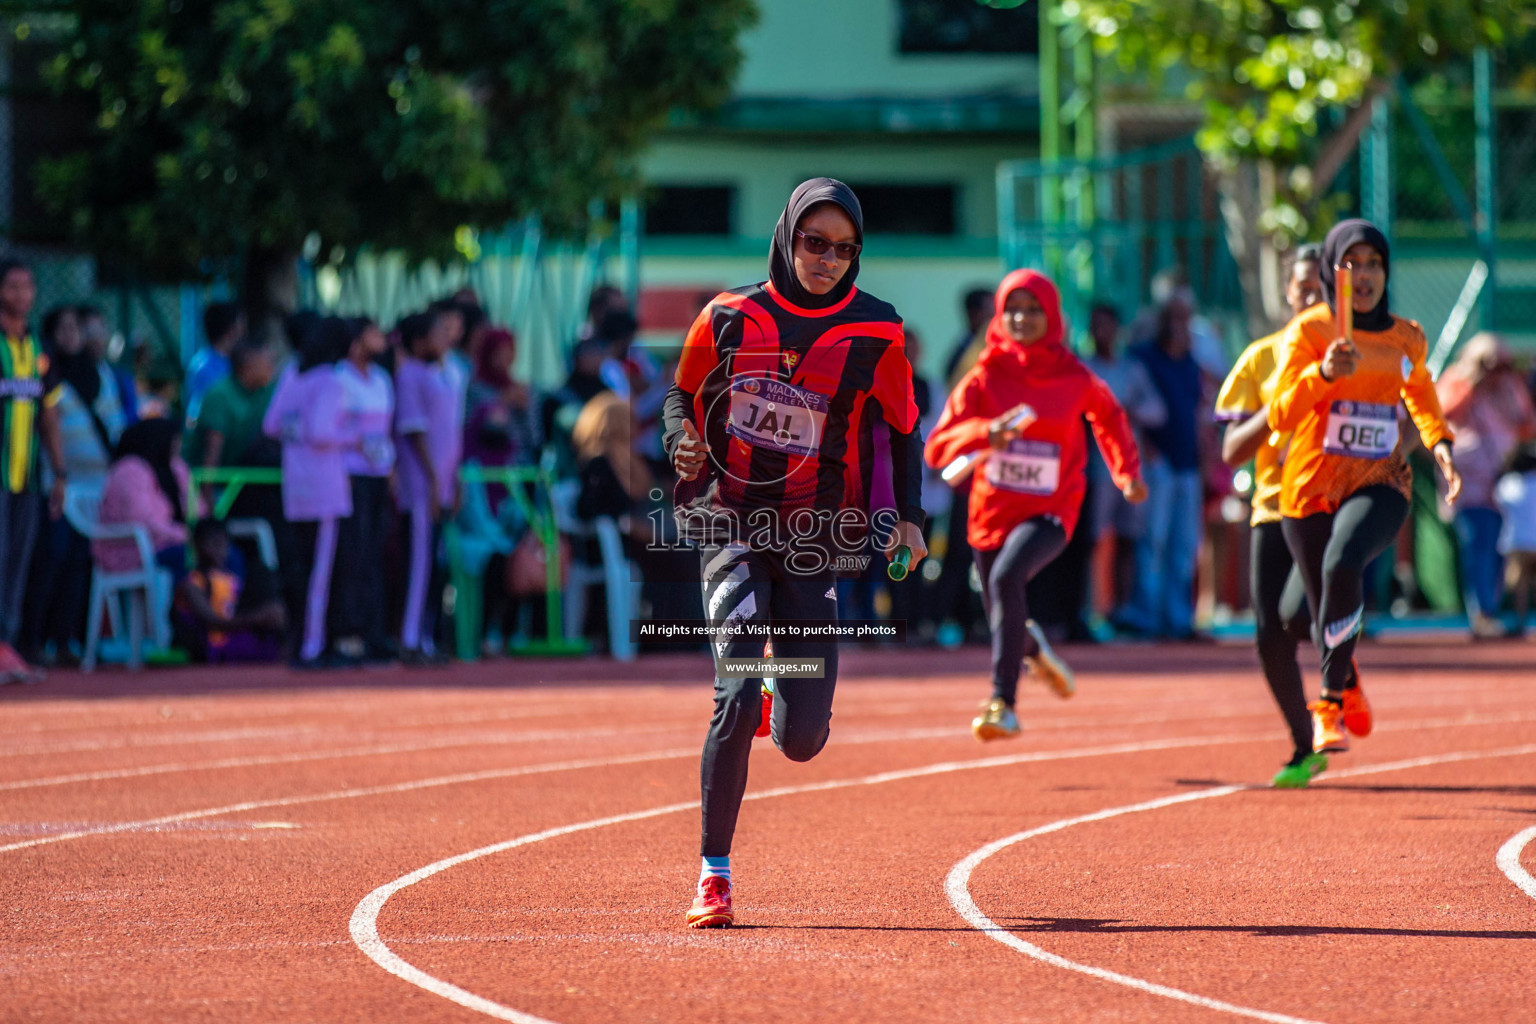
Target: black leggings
<point x="745" y="585"/>
<point x="359" y="590"/>
<point x="1331" y="552"/>
<point x="1028" y="548"/>
<point x="1281" y="622"/>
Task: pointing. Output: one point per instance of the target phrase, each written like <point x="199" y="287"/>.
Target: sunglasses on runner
<point x="816" y="245"/>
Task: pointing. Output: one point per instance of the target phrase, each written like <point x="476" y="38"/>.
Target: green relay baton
<point x="900" y="565"/>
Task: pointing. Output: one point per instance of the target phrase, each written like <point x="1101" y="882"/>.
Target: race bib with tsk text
<point x="1028" y="467"/>
<point x="782" y="417"/>
<point x="1363" y="430"/>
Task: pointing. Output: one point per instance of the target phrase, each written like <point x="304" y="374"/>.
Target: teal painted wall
<point x="876" y="116"/>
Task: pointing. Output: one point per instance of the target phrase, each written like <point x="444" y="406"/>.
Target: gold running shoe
<point x="996" y="722"/>
<point x="1047" y="667"/>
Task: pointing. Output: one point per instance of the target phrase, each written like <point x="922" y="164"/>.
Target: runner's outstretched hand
<point x="1448" y="470"/>
<point x="691" y="452"/>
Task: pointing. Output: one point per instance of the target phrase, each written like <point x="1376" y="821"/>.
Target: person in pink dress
<point x="429" y="441"/>
<point x="306" y="414"/>
<point x="146" y="486"/>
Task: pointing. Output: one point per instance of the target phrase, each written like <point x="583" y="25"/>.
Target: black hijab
<point x="1345" y="234"/>
<point x="151" y="440"/>
<point x="781" y="253"/>
<point x="78" y="368"/>
<point x="328" y="341"/>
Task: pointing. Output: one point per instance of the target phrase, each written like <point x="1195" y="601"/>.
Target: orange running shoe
<point x="1357" y="710"/>
<point x="766" y="725"/>
<point x="712" y="907"/>
<point x="1328" y="733"/>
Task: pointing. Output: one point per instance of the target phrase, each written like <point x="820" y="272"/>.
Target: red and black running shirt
<point x="786" y="398"/>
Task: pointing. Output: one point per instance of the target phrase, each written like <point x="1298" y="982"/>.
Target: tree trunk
<point x="1340" y="146"/>
<point x="270" y="292"/>
<point x="1247" y="190"/>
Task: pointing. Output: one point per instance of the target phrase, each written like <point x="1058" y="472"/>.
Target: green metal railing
<point x="530" y="488"/>
<point x="468" y="613"/>
<point x="1103" y="228"/>
<point x="232" y="480"/>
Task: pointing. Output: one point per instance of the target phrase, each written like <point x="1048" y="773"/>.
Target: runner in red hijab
<point x="1018" y="415"/>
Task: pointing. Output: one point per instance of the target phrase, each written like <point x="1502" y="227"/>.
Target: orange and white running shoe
<point x="1328" y="733"/>
<point x="712" y="906"/>
<point x="1357" y="710"/>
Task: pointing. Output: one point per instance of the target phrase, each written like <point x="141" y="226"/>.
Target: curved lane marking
<point x="1509" y="861"/>
<point x="957" y="884"/>
<point x="364" y="925"/>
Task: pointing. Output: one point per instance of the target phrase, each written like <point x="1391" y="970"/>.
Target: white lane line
<point x="1509" y="861"/>
<point x="364" y="925"/>
<point x="352" y="794"/>
<point x="957" y="884"/>
<point x="865" y="736"/>
<point x="482" y="739"/>
<point x="446" y="743"/>
<point x="117" y="739"/>
<point x="462" y="778"/>
<point x="316" y="732"/>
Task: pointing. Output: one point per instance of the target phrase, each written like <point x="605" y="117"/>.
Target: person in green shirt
<point x="230" y="416"/>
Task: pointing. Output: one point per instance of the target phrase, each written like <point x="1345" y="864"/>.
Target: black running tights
<point x="1282" y="623"/>
<point x="755" y="586"/>
<point x="1331" y="552"/>
<point x="1028" y="548"/>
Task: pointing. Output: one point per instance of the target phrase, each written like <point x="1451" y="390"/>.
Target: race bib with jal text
<point x="771" y="414"/>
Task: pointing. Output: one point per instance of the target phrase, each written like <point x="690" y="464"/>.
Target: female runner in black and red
<point x="1019" y="413"/>
<point x="768" y="426"/>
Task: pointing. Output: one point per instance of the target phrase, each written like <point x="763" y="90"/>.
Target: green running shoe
<point x="1297" y="776"/>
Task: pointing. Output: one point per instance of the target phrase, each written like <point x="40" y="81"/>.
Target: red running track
<point x="251" y="844"/>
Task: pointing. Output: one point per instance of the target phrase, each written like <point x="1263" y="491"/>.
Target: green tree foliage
<point x="227" y="128"/>
<point x="1265" y="72"/>
<point x="1265" y="68"/>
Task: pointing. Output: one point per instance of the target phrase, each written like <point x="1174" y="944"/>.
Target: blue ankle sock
<point x="717" y="866"/>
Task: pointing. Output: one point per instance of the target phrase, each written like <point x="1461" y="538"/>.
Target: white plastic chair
<point x="259" y="531"/>
<point x="146" y="587"/>
<point x="619" y="576"/>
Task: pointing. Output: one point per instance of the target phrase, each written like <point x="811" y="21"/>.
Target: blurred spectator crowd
<point x="304" y="497"/>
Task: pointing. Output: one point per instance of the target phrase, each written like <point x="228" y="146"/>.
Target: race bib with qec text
<point x="1362" y="430"/>
<point x="1028" y="467"/>
<point x="771" y="414"/>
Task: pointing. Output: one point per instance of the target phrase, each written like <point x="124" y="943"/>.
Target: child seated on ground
<point x="1516" y="495"/>
<point x="223" y="613"/>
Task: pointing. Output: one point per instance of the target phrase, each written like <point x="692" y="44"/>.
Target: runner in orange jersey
<point x="1344" y="490"/>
